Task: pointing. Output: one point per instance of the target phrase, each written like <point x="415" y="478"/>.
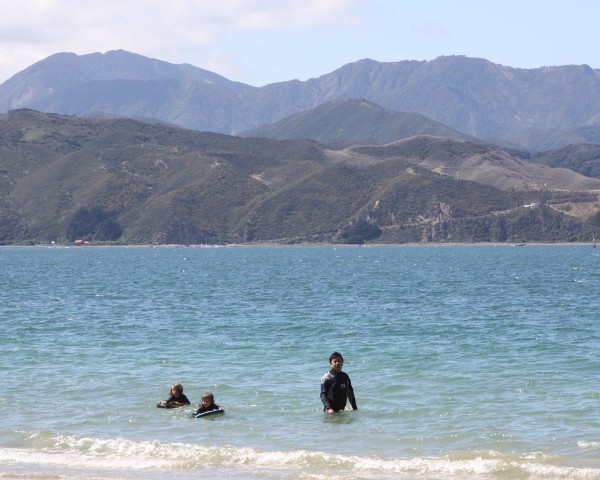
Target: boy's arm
<point x="351" y="395"/>
<point x="324" y="398"/>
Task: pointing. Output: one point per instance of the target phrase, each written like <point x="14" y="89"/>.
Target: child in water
<point x="176" y="398"/>
<point x="208" y="403"/>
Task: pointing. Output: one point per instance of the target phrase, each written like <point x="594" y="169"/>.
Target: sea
<point x="468" y="362"/>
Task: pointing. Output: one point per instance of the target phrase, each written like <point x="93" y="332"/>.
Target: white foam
<point x="588" y="445"/>
<point x="93" y="454"/>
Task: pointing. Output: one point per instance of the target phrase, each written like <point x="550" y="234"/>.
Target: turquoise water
<point x="467" y="362"/>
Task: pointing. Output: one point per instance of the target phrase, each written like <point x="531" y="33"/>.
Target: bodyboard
<point x="210" y="412"/>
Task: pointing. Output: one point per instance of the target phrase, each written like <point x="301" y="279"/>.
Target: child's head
<point x="177" y="389"/>
<point x="335" y="355"/>
<point x="336" y="361"/>
<point x="207" y="398"/>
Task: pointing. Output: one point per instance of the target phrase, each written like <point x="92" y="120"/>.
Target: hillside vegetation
<point x="581" y="158"/>
<point x="67" y="179"/>
<point x="342" y="123"/>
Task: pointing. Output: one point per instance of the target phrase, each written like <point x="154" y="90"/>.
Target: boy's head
<point x="208" y="398"/>
<point x="336" y="361"/>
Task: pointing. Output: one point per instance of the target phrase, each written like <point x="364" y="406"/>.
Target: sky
<point x="258" y="42"/>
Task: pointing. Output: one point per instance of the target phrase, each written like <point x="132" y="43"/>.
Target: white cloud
<point x="258" y="41"/>
<point x="259" y="15"/>
<point x="179" y="31"/>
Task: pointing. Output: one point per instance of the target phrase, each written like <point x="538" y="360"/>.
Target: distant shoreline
<point x="274" y="244"/>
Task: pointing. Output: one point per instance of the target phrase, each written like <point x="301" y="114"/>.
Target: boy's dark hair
<point x="336" y="354"/>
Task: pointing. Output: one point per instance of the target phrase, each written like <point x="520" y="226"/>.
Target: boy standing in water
<point x="336" y="388"/>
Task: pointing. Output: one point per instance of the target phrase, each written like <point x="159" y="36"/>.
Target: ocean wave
<point x="588" y="445"/>
<point x="141" y="459"/>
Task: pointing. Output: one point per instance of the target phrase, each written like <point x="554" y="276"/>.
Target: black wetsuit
<point x="336" y="390"/>
<point x="181" y="399"/>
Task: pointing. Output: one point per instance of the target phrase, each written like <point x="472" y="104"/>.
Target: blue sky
<point x="265" y="41"/>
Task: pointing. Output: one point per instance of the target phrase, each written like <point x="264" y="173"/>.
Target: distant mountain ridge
<point x="122" y="84"/>
<point x="541" y="109"/>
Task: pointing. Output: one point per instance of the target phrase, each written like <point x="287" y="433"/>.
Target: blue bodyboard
<point x="210" y="412"/>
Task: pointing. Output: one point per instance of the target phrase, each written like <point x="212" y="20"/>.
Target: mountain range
<point x="536" y="109"/>
<point x="120" y="148"/>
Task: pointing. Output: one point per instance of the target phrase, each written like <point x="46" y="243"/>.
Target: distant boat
<point x="594" y="242"/>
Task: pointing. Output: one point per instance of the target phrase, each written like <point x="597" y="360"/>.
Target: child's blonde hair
<point x="208" y="396"/>
<point x="178" y="387"/>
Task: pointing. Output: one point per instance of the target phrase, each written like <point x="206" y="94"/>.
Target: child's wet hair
<point x="336" y="355"/>
<point x="178" y="387"/>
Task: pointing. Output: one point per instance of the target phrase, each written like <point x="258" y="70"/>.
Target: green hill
<point x="582" y="158"/>
<point x="68" y="179"/>
<point x="348" y="122"/>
